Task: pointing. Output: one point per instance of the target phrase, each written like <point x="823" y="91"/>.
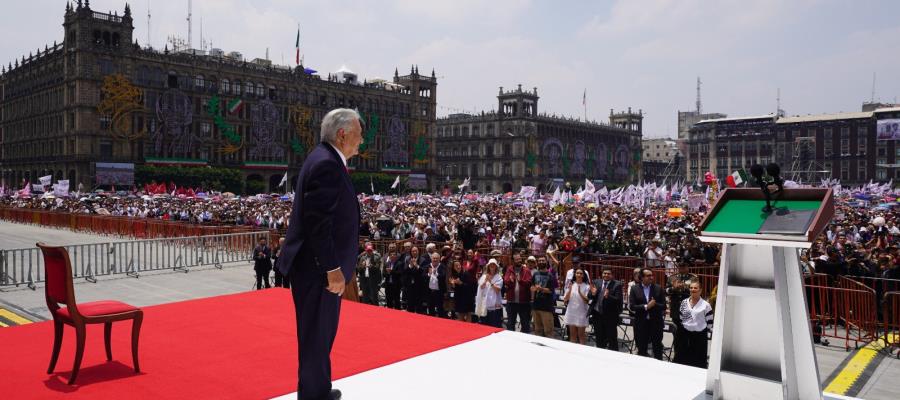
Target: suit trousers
<point x="522" y="311"/>
<point x="318" y="312"/>
<point x="262" y="274"/>
<point x="606" y="331"/>
<point x="649" y="331"/>
<point x="436" y="304"/>
<point x="392" y="295"/>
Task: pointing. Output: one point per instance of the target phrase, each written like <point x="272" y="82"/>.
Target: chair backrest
<point x="58" y="276"/>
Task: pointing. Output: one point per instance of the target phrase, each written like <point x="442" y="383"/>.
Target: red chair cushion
<point x="99" y="308"/>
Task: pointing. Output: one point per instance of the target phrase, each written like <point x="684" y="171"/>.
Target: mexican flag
<point x="739" y="176"/>
<point x="235" y="106"/>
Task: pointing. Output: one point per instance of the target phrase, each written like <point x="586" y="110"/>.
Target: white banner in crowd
<point x="527" y="192"/>
<point x="61" y="188"/>
<point x="37" y="187"/>
<point x="45" y="180"/>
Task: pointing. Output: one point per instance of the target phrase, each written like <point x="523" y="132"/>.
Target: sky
<point x="643" y="54"/>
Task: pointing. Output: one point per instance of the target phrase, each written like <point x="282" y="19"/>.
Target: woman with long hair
<point x="488" y="295"/>
<point x="462" y="291"/>
<point x="576" y="299"/>
<point x="695" y="315"/>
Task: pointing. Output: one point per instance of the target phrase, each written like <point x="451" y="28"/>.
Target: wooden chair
<point x="59" y="291"/>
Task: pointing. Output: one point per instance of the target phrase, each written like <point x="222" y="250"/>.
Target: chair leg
<point x="57" y="344"/>
<point x="107" y="339"/>
<point x="80" y="333"/>
<point x="135" y="334"/>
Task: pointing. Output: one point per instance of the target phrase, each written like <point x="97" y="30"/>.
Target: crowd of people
<point x="445" y="261"/>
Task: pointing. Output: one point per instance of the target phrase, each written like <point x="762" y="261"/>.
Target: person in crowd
<point x="648" y="303"/>
<point x="576" y="300"/>
<point x="391" y="277"/>
<point x="280" y="280"/>
<point x="543" y="285"/>
<point x="414" y="281"/>
<point x="461" y="285"/>
<point x="678" y="287"/>
<point x="488" y="294"/>
<point x="605" y="307"/>
<point x="653" y="255"/>
<point x="262" y="263"/>
<point x="517" y="284"/>
<point x="635" y="280"/>
<point x="368" y="273"/>
<point x="694" y="317"/>
<point x="436" y="275"/>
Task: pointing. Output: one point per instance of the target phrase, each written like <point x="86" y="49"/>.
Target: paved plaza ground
<point x="881" y="382"/>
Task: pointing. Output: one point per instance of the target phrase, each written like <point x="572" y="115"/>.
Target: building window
<point x="845" y="170"/>
<point x="861" y="145"/>
<point x="845" y="146"/>
<point x="861" y="171"/>
<point x="828" y="147"/>
<point x="845" y="132"/>
<point x="106" y="148"/>
<point x="880" y="174"/>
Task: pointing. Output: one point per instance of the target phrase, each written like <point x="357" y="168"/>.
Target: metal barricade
<point x="891" y="323"/>
<point x="89" y="261"/>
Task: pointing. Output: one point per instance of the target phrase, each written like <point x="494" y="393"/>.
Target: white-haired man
<point x="320" y="249"/>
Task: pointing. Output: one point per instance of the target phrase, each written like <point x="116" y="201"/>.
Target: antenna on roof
<point x="148" y="24"/>
<point x="778" y="111"/>
<point x="699" y="104"/>
<point x="190" y="22"/>
<point x="872" y="99"/>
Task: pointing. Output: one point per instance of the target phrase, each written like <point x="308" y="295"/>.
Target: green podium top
<point x="746" y="216"/>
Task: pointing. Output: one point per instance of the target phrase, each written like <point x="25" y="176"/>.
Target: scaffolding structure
<point x="805" y="168"/>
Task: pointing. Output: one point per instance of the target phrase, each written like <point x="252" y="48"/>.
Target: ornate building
<point x="808" y="148"/>
<point x="518" y="146"/>
<point x="98" y="97"/>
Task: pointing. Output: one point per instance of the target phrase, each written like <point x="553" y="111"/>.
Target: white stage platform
<point x="513" y="365"/>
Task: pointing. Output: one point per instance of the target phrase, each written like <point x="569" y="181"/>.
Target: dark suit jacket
<point x="324" y="228"/>
<point x="637" y="301"/>
<point x="612" y="304"/>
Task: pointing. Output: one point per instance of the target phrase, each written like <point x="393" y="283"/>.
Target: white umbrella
<point x="450" y="205"/>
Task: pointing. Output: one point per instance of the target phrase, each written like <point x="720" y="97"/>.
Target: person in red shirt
<point x="517" y="282"/>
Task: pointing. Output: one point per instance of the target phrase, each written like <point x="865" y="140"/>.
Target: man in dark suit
<point x="320" y="249"/>
<point x="648" y="303"/>
<point x="262" y="263"/>
<point x="605" y="306"/>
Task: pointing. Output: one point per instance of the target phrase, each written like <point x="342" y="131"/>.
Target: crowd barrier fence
<point x="118" y="226"/>
<point x="891" y="324"/>
<point x="89" y="261"/>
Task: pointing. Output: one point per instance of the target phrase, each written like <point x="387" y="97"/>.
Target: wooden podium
<point x="761" y="344"/>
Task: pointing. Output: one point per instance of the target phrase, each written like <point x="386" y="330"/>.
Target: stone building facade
<point x="810" y="148"/>
<point x="98" y="97"/>
<point x="518" y="146"/>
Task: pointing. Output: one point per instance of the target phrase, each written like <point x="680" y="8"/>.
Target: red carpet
<point x="239" y="346"/>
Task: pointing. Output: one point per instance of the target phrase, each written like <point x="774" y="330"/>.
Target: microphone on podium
<point x="771" y="175"/>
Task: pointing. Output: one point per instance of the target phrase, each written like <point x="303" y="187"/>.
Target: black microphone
<point x="757" y="171"/>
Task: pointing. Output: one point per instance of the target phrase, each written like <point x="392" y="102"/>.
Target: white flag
<point x="396" y="182"/>
<point x="556" y="197"/>
<point x="283" y="179"/>
<point x="464" y="184"/>
<point x="527" y="192"/>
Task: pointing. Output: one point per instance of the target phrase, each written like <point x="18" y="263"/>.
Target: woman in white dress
<point x="576" y="299"/>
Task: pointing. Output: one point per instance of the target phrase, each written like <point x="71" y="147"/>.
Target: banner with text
<point x="119" y="174"/>
<point x="888" y="129"/>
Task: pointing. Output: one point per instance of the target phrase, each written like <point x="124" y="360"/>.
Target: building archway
<point x="255" y="184"/>
<point x="275" y="182"/>
<point x="507" y="187"/>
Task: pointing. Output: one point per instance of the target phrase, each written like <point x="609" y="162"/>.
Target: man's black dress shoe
<point x="335" y="394"/>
